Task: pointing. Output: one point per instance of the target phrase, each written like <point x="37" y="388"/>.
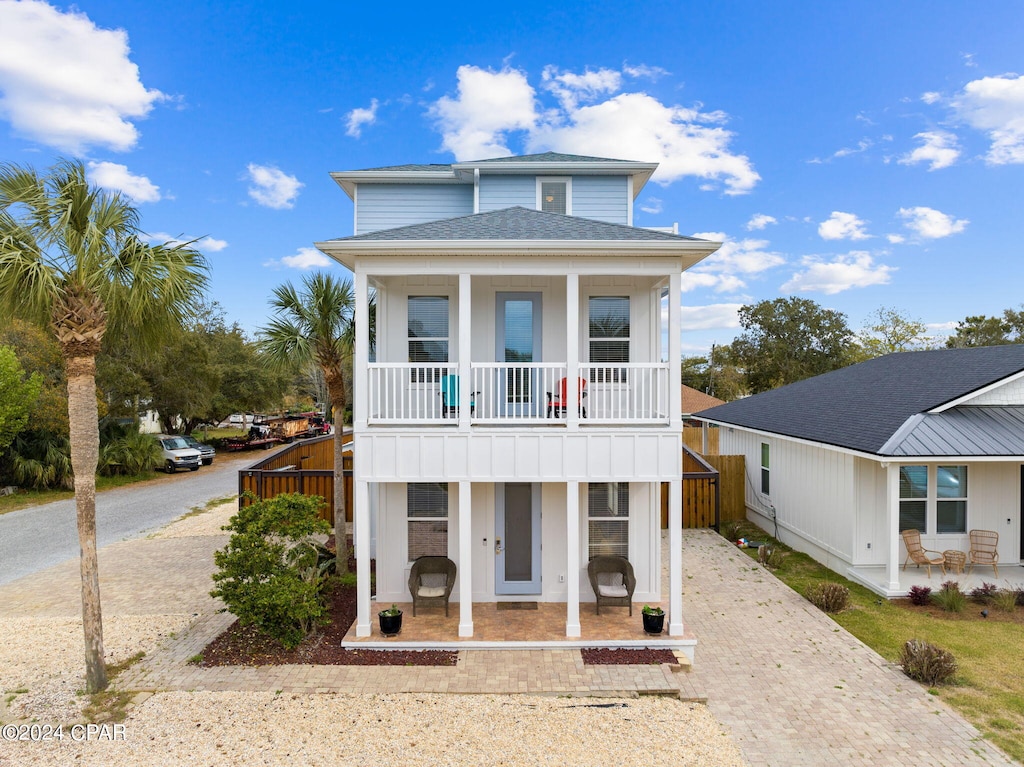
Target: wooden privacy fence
<point x="712" y="490"/>
<point x="693" y="438"/>
<point x="302" y="467"/>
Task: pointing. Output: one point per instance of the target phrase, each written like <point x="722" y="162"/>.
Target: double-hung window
<point x="933" y="498"/>
<point x="428" y="336"/>
<point x="427" y="509"/>
<point x="914" y="498"/>
<point x="554" y="195"/>
<point x="608" y="340"/>
<point x="951" y="499"/>
<point x="765" y="468"/>
<point x="608" y="519"/>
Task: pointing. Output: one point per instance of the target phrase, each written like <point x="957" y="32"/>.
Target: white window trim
<point x="931" y="500"/>
<point x="585" y="322"/>
<point x="764" y="469"/>
<point x="567" y="180"/>
<point x="408" y="519"/>
<point x="449" y="339"/>
<point x="586" y="518"/>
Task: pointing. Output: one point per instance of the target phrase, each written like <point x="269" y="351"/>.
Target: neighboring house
<point x="843" y="462"/>
<point x="694" y="400"/>
<point x="497" y="282"/>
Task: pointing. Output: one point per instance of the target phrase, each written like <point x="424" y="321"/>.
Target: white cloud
<point x="273" y="188"/>
<point x="930" y="223"/>
<point x="489" y="106"/>
<point x="66" y="82"/>
<point x="856" y="269"/>
<point x="110" y="175"/>
<point x="939" y="148"/>
<point x="723" y="270"/>
<point x="931" y="97"/>
<point x="996" y="105"/>
<point x="571" y="88"/>
<point x="760" y="221"/>
<point x="653" y="205"/>
<point x="204" y="244"/>
<point x="644" y="71"/>
<point x="359" y="117"/>
<point x="711" y="317"/>
<point x="304" y="258"/>
<point x="475" y="124"/>
<point x="896" y="239"/>
<point x="842" y="226"/>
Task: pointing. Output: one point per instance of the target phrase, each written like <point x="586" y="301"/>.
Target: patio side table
<point x="955" y="561"/>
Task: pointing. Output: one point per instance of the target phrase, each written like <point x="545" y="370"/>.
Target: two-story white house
<point x="498" y="283"/>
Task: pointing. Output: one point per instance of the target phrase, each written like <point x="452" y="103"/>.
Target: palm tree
<point x="317" y="327"/>
<point x="72" y="261"/>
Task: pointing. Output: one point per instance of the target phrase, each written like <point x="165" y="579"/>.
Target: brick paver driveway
<point x="796" y="689"/>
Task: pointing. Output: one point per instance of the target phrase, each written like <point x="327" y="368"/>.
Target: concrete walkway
<point x="791" y="686"/>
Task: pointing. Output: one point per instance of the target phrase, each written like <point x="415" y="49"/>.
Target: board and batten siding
<point x="604" y="198"/>
<point x="813" y="491"/>
<point x="498" y="192"/>
<point x="386" y="206"/>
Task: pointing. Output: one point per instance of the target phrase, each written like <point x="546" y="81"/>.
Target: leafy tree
<point x="72" y="260"/>
<point x="18" y="395"/>
<point x="789" y="339"/>
<point x="716" y="374"/>
<point x="39" y="354"/>
<point x="317" y="327"/>
<point x="979" y="330"/>
<point x="889" y="330"/>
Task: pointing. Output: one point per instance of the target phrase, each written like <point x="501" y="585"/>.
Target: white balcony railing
<point x="518" y="392"/>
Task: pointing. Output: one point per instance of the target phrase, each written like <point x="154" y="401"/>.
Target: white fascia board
<point x="346" y="251"/>
<point x="966" y="398"/>
<point x="884" y="460"/>
<point x="348" y="180"/>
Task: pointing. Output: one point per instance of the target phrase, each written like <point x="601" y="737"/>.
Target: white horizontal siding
<point x="605" y="198"/>
<point x="498" y="192"/>
<point x="386" y="206"/>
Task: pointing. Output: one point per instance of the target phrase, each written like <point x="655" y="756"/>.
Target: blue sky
<point x="861" y="154"/>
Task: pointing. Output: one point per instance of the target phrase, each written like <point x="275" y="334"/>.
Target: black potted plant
<point x="390" y="621"/>
<point x="654" y="619"/>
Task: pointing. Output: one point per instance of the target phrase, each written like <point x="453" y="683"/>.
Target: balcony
<point x="504" y="393"/>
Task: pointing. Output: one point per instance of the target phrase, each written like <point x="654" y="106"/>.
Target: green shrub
<point x="40" y="460"/>
<point x="950" y="598"/>
<point x="770" y="556"/>
<point x="130" y="454"/>
<point x="270" y="574"/>
<point x="829" y="597"/>
<point x="927" y="663"/>
<point x="1005" y="600"/>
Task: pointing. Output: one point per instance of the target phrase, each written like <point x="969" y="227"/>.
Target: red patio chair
<point x="558" y="401"/>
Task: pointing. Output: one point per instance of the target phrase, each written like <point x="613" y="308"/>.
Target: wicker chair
<point x="984" y="549"/>
<point x="613" y="581"/>
<point x="431" y="581"/>
<point x="919" y="555"/>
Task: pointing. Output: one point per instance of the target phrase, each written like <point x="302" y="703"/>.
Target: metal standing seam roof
<point x="518" y="223"/>
<point x="868" y="407"/>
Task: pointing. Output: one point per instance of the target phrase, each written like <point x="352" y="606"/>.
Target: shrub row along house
<point x="521" y="405"/>
<point x="840" y="465"/>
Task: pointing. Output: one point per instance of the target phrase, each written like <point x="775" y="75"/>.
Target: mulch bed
<point x="610" y="656"/>
<point x="245" y="646"/>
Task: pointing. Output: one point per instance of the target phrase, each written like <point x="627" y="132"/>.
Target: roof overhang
<point x="640" y="171"/>
<point x="347" y="251"/>
<point x="347" y="180"/>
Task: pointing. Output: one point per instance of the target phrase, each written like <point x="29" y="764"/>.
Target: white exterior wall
<point x="832" y="504"/>
<point x="1010" y="393"/>
<point x="813" y="492"/>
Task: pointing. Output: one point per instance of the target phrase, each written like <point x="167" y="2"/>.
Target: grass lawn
<point x="25" y="498"/>
<point x="989" y="687"/>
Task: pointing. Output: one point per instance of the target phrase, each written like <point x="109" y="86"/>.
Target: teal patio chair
<point x="449" y="394"/>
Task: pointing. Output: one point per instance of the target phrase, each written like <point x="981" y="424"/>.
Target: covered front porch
<point x="528" y="625"/>
<point x="1011" y="576"/>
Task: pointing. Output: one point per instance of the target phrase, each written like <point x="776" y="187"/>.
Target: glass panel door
<point x="517" y="538"/>
<point x="518" y="342"/>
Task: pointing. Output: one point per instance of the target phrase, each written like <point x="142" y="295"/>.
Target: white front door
<point x="517" y="538"/>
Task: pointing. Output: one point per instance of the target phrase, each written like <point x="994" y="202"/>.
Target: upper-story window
<point x="608" y="341"/>
<point x="554" y="195"/>
<point x="428" y="335"/>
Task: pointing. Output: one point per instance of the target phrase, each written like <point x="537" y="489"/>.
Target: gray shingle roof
<point x="519" y="224"/>
<point x="546" y="157"/>
<point x="862" y="406"/>
<point x="409" y="167"/>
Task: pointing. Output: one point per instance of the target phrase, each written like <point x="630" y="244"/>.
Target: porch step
<point x="683" y="662"/>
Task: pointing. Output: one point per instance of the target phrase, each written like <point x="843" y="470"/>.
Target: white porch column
<point x="572" y="354"/>
<point x="675" y="556"/>
<point x="675" y="352"/>
<point x="361" y="533"/>
<point x="360" y="394"/>
<point x="892" y="527"/>
<point x="465" y="352"/>
<point x="465" y="559"/>
<point x="572" y="559"/>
